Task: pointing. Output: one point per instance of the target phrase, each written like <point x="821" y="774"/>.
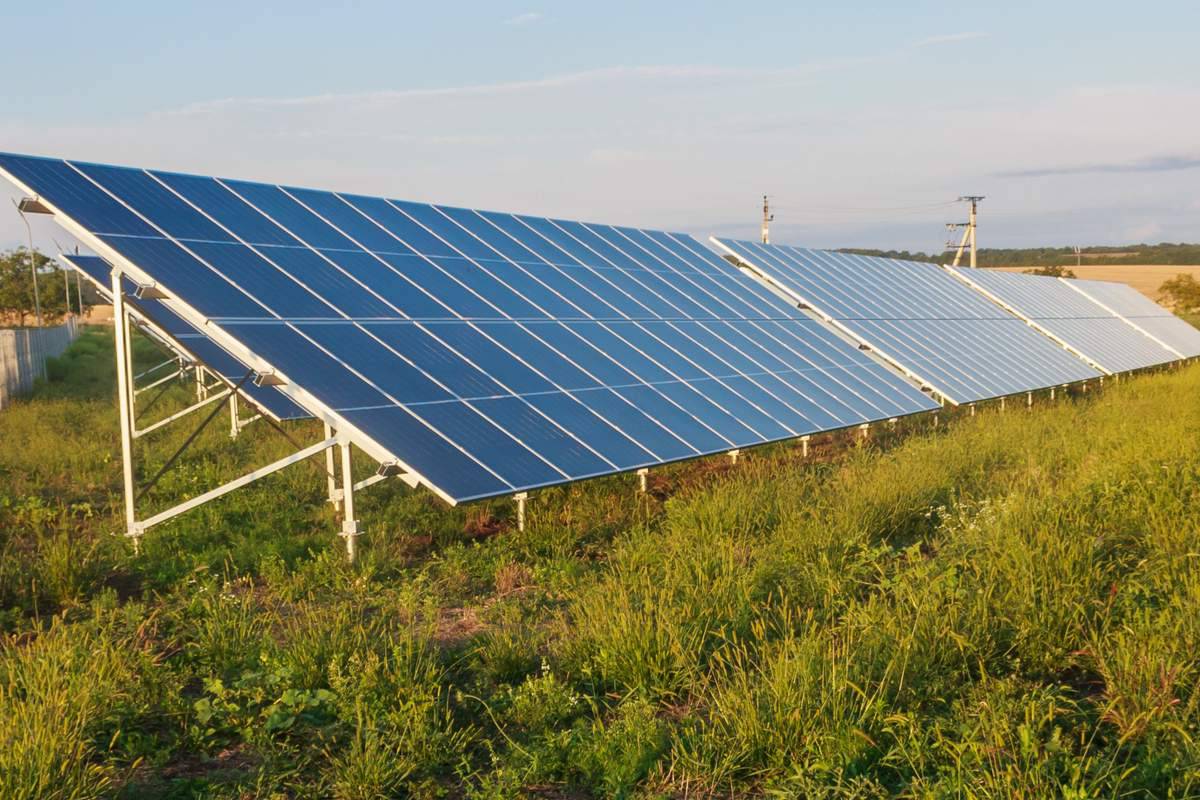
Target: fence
<point x="23" y="354"/>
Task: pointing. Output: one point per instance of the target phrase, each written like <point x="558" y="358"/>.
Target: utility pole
<point x="968" y="236"/>
<point x="767" y="218"/>
<point x="1078" y="256"/>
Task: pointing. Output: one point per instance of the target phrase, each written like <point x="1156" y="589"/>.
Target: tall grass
<point x="1006" y="606"/>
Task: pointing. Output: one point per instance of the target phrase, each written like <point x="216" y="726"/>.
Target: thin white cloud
<point x="949" y="38"/>
<point x="528" y="18"/>
<point x="598" y="75"/>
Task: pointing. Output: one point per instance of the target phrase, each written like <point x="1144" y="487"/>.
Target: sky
<point x="863" y="121"/>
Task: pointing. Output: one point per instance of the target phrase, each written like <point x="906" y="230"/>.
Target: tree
<point x="16" y="288"/>
<point x="1052" y="272"/>
<point x="1182" y="292"/>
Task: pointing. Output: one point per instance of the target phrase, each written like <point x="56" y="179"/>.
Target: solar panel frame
<point x="662" y="248"/>
<point x="928" y="324"/>
<point x="177" y="334"/>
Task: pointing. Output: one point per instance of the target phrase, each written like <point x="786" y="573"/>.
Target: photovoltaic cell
<point x="1100" y="336"/>
<point x="488" y="353"/>
<point x="186" y="339"/>
<point x="1143" y="313"/>
<point x="920" y="317"/>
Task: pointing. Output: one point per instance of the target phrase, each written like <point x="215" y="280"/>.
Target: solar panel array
<point x="184" y="337"/>
<point x="919" y="316"/>
<point x="487" y="353"/>
<point x="1144" y="314"/>
<point x="1101" y="336"/>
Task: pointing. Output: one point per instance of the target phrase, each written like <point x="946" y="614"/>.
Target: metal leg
<point x="335" y="494"/>
<point x="234" y="425"/>
<point x="804" y="446"/>
<point x="127" y="328"/>
<point x="972" y="409"/>
<point x="864" y="431"/>
<point x="733" y="456"/>
<point x="1029" y="399"/>
<point x="1001" y="403"/>
<point x="350" y="529"/>
<point x="521" y="498"/>
<point x="124" y="400"/>
<point x="642" y="474"/>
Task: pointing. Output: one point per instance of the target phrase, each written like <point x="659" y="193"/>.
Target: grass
<point x="1006" y="606"/>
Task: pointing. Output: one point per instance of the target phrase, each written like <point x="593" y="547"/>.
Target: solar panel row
<point x="1144" y="314"/>
<point x="488" y="353"/>
<point x="182" y="335"/>
<point x="1100" y="336"/>
<point x="919" y="316"/>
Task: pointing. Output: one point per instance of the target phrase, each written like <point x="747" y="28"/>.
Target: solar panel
<point x="485" y="353"/>
<point x="920" y="317"/>
<point x="1101" y="337"/>
<point x="184" y="338"/>
<point x="1144" y="314"/>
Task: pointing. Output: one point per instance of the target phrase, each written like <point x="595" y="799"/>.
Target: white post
<point x="124" y="398"/>
<point x="125" y="327"/>
<point x="350" y="530"/>
<point x="1029" y="399"/>
<point x="733" y="456"/>
<point x="521" y="498"/>
<point x="1001" y="403"/>
<point x="864" y="431"/>
<point x="233" y="416"/>
<point x="804" y="446"/>
<point x="935" y="419"/>
<point x="972" y="409"/>
<point x="330" y="475"/>
<point x="642" y="474"/>
<point x="1051" y="392"/>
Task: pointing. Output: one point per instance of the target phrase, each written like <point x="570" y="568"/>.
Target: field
<point x="1146" y="278"/>
<point x="1006" y="605"/>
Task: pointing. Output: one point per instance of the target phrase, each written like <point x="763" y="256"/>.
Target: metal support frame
<point x="1029" y="399"/>
<point x="1002" y="403"/>
<point x="140" y="432"/>
<point x="350" y="527"/>
<point x="972" y="409"/>
<point x="521" y="497"/>
<point x="135" y="528"/>
<point x="158" y="382"/>
<point x="733" y="456"/>
<point x="804" y="446"/>
<point x="642" y="474"/>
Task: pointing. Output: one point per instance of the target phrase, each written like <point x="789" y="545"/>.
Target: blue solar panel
<point x="182" y="336"/>
<point x="1144" y="314"/>
<point x="1100" y="336"/>
<point x="921" y="318"/>
<point x="487" y="353"/>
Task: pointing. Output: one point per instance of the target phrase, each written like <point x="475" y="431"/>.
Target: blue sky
<point x="1078" y="120"/>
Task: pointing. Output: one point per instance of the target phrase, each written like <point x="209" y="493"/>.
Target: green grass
<point x="1007" y="606"/>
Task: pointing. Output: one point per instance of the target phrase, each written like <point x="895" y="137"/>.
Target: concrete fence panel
<point x="23" y="354"/>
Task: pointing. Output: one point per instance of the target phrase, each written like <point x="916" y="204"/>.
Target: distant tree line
<point x="1168" y="253"/>
<point x="17" y="299"/>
